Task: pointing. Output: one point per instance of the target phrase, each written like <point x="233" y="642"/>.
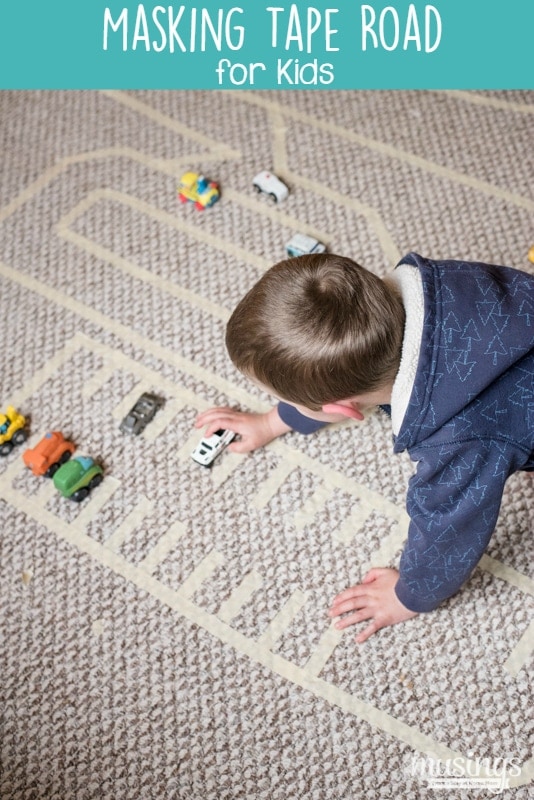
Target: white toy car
<point x="207" y="451"/>
<point x="301" y="245"/>
<point x="267" y="182"/>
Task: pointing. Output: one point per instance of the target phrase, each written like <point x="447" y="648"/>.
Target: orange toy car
<point x="46" y="457"/>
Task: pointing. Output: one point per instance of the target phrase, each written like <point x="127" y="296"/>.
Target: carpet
<point x="167" y="637"/>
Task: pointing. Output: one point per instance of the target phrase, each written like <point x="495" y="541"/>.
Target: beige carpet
<point x="167" y="638"/>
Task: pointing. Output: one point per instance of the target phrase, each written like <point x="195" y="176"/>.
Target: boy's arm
<point x="453" y="502"/>
<point x="257" y="430"/>
<point x="300" y="422"/>
<point x="254" y="430"/>
<point x="373" y="599"/>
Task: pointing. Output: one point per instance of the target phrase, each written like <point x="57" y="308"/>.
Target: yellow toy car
<point x="11" y="430"/>
<point x="531" y="254"/>
<point x="198" y="189"/>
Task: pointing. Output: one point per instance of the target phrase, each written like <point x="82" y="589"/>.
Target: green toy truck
<point x="78" y="477"/>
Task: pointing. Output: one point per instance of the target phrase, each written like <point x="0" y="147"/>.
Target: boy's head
<point x="317" y="329"/>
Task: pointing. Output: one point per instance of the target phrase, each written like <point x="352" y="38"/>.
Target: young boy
<point x="449" y="346"/>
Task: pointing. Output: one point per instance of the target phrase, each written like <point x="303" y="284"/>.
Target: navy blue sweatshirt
<point x="469" y="423"/>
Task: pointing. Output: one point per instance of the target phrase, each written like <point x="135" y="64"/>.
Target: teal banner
<point x="446" y="44"/>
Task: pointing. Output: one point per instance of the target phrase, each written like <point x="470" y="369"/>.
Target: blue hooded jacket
<point x="469" y="423"/>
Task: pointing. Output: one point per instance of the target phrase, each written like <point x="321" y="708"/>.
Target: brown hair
<point x="316" y="329"/>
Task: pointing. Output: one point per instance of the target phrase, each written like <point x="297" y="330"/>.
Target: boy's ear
<point x="348" y="408"/>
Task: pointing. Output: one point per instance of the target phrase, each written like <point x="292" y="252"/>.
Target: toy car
<point x="207" y="451"/>
<point x="300" y="245"/>
<point x="11" y="430"/>
<point x="140" y="414"/>
<point x="267" y="182"/>
<point x="77" y="477"/>
<point x="531" y="254"/>
<point x="198" y="189"/>
<point x="46" y="457"/>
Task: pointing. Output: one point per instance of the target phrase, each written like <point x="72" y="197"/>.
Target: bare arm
<point x="254" y="430"/>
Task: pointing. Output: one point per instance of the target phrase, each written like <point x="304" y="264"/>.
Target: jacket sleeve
<point x="453" y="502"/>
<point x="297" y="421"/>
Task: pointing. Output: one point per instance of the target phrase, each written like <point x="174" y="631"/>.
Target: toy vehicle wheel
<point x="182" y="198"/>
<point x="95" y="481"/>
<point x="53" y="468"/>
<point x="199" y="206"/>
<point x="275" y="198"/>
<point x="258" y="188"/>
<point x="80" y="495"/>
<point x="19" y="437"/>
<point x="6" y="448"/>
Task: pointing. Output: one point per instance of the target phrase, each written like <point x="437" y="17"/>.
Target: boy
<point x="449" y="346"/>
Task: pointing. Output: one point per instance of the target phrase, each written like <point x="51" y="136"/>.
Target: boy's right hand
<point x="254" y="430"/>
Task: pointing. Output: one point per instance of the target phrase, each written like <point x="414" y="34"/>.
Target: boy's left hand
<point x="375" y="599"/>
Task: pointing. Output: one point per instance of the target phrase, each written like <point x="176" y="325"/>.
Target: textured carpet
<point x="167" y="637"/>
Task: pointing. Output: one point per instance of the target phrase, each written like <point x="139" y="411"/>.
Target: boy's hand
<point x="374" y="598"/>
<point x="254" y="430"/>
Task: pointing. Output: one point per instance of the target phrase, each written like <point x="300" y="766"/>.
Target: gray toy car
<point x="141" y="414"/>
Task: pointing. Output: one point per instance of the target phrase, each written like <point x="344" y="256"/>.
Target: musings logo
<point x="490" y="774"/>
